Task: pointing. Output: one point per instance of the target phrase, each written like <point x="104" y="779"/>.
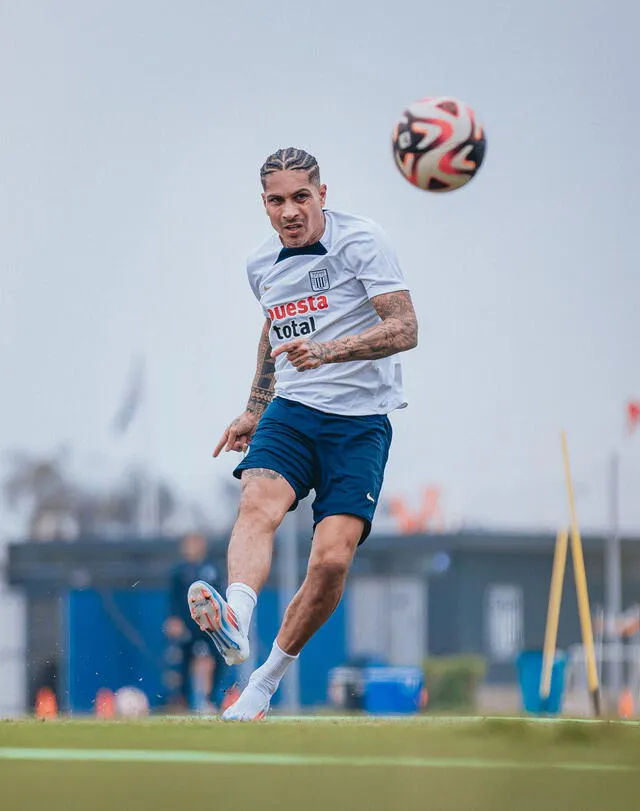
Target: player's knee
<point x="260" y="508"/>
<point x="330" y="567"/>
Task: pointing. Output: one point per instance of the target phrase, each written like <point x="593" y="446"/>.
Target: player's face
<point x="294" y="206"/>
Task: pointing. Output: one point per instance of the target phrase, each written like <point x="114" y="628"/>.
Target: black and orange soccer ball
<point x="438" y="144"/>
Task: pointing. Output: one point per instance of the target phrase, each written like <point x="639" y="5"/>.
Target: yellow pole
<point x="581" y="586"/>
<point x="553" y="611"/>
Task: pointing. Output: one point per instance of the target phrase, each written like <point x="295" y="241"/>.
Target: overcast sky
<point x="131" y="135"/>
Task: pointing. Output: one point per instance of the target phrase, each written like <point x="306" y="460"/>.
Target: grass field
<point x="308" y="765"/>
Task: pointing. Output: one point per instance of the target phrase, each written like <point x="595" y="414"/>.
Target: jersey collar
<point x="315" y="249"/>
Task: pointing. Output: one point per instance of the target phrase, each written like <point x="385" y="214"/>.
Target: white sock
<point x="268" y="675"/>
<point x="242" y="599"/>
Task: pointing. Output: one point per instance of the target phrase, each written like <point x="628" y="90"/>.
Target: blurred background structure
<point x="132" y="134"/>
<point x="90" y="614"/>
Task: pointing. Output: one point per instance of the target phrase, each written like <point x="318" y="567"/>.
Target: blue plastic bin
<point x="392" y="690"/>
<point x="529" y="665"/>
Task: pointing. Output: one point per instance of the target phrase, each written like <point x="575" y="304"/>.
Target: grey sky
<point x="131" y="136"/>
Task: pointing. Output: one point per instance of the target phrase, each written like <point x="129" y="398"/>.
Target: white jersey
<point x="323" y="291"/>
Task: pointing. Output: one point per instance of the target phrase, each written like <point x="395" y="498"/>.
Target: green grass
<point x="308" y="765"/>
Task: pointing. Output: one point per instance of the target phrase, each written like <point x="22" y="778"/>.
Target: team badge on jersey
<point x="319" y="280"/>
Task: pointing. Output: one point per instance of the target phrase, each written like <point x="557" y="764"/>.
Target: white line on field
<point x="266" y="759"/>
<point x="436" y="720"/>
<point x="353" y="720"/>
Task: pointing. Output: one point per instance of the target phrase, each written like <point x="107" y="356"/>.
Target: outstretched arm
<point x="397" y="332"/>
<point x="237" y="435"/>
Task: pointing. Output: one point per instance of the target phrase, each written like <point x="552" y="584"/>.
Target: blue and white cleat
<point x="215" y="617"/>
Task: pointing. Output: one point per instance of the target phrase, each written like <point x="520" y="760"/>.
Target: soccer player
<point x="337" y="313"/>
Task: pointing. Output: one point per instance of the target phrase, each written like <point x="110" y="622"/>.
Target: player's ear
<point x="264" y="199"/>
<point x="323" y="193"/>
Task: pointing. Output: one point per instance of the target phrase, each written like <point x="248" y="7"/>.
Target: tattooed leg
<point x="266" y="497"/>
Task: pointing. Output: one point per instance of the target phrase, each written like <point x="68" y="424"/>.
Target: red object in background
<point x="427" y="517"/>
<point x="105" y="703"/>
<point x="633" y="415"/>
<point x="46" y="703"/>
<point x="626" y="704"/>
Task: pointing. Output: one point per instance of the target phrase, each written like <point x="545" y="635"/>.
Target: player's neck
<point x="320" y="232"/>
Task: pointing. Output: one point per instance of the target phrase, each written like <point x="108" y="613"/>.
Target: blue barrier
<point x="115" y="639"/>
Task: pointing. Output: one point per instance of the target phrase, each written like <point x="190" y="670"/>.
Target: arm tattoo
<point x="397" y="332"/>
<point x="264" y="380"/>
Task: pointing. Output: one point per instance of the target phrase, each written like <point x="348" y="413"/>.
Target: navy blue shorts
<point x="341" y="458"/>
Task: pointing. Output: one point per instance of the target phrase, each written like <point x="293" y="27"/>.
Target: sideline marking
<point x="265" y="759"/>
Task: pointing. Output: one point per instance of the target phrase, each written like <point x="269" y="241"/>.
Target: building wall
<point x="12" y="644"/>
<point x="461" y="606"/>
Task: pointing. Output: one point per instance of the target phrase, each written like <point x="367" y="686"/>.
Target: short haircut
<point x="290" y="158"/>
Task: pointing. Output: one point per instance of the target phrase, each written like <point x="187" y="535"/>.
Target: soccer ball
<point x="438" y="144"/>
<point x="131" y="702"/>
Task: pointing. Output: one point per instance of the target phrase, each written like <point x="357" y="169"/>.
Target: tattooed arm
<point x="237" y="435"/>
<point x="397" y="332"/>
<point x="264" y="380"/>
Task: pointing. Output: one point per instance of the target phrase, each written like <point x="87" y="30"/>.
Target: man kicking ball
<point x="337" y="312"/>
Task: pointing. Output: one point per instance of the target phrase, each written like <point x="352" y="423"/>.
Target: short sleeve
<point x="254" y="284"/>
<point x="374" y="262"/>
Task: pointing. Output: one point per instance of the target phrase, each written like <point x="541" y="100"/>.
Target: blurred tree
<point x="40" y="486"/>
<point x="57" y="506"/>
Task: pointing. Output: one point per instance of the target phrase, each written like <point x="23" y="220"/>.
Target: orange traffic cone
<point x="626" y="708"/>
<point x="46" y="703"/>
<point x="105" y="704"/>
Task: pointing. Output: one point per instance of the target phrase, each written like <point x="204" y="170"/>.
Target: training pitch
<point x="429" y="763"/>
